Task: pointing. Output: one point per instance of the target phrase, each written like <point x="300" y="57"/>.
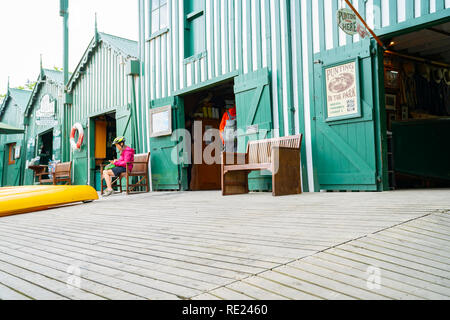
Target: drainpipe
<point x="64" y="12"/>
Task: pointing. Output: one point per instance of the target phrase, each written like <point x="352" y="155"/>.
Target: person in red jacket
<point x="126" y="156"/>
<point x="230" y="114"/>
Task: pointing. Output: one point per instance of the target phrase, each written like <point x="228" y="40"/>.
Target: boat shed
<point x="12" y="145"/>
<point x="43" y="120"/>
<point x="103" y="91"/>
<point x="282" y="63"/>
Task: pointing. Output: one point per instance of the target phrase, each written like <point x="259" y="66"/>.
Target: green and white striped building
<point x="274" y="55"/>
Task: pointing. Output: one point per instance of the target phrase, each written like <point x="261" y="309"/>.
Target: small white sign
<point x="45" y="116"/>
<point x="161" y="121"/>
<point x="17" y="152"/>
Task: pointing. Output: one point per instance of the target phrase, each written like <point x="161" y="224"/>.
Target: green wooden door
<point x="2" y="163"/>
<point x="13" y="173"/>
<point x="125" y="125"/>
<point x="254" y="118"/>
<point x="168" y="174"/>
<point x="344" y="132"/>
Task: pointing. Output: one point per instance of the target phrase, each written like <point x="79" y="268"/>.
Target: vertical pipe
<point x="310" y="50"/>
<point x="64" y="12"/>
<point x="287" y="66"/>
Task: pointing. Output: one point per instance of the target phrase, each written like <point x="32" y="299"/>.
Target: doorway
<point x="417" y="108"/>
<point x="45" y="148"/>
<point x="203" y="111"/>
<point x="104" y="132"/>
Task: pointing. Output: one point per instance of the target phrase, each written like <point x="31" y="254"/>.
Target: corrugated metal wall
<point x="55" y="91"/>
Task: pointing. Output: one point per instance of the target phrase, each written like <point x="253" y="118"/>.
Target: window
<point x="195" y="34"/>
<point x="159" y="15"/>
<point x="12" y="154"/>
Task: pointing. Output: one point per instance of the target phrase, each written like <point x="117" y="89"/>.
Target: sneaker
<point x="108" y="193"/>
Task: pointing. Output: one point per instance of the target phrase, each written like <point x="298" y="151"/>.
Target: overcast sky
<point x="31" y="27"/>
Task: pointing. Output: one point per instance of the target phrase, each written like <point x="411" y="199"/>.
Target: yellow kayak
<point x="16" y="200"/>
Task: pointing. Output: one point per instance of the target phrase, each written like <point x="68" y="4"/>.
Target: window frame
<point x="189" y="18"/>
<point x="161" y="29"/>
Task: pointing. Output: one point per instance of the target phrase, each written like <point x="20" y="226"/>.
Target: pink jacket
<point x="126" y="156"/>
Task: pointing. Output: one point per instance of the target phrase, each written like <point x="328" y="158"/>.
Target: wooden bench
<point x="140" y="170"/>
<point x="280" y="156"/>
<point x="62" y="174"/>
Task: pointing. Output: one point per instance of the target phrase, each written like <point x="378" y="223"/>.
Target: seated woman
<point x="126" y="156"/>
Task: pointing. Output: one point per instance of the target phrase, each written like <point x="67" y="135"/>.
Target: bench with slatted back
<point x="62" y="174"/>
<point x="280" y="156"/>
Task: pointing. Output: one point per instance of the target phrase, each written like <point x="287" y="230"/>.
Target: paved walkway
<point x="393" y="245"/>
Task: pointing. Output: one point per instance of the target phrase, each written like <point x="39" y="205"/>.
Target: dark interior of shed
<point x="105" y="133"/>
<point x="417" y="87"/>
<point x="208" y="107"/>
<point x="45" y="151"/>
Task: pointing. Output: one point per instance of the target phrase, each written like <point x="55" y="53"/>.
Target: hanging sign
<point x="342" y="91"/>
<point x="349" y="23"/>
<point x="46" y="114"/>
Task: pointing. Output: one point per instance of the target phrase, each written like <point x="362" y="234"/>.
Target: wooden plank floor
<point x="203" y="246"/>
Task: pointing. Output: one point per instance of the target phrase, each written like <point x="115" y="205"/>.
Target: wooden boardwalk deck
<point x="204" y="246"/>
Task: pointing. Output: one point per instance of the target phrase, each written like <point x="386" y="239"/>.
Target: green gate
<point x="346" y="143"/>
<point x="166" y="173"/>
<point x="254" y="118"/>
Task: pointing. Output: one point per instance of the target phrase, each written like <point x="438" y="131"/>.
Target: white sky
<point x="31" y="27"/>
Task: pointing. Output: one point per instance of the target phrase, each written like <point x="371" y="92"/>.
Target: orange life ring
<point x="77" y="145"/>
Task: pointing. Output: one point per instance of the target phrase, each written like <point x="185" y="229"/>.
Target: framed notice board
<point x="342" y="91"/>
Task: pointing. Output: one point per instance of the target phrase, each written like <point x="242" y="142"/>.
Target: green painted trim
<point x="268" y="35"/>
<point x="207" y="84"/>
<point x="240" y="50"/>
<point x="377" y="13"/>
<point x="219" y="41"/>
<point x="322" y="38"/>
<point x="226" y="36"/>
<point x="309" y="19"/>
<point x="248" y="29"/>
<point x="298" y="35"/>
<point x="415" y="24"/>
<point x="104" y="111"/>
<point x="334" y="9"/>
<point x="158" y="34"/>
<point x="259" y="53"/>
<point x="279" y="71"/>
<point x="195" y="14"/>
<point x="393" y="12"/>
<point x="287" y="67"/>
<point x="212" y="55"/>
<point x="232" y="35"/>
<point x="380" y="120"/>
<point x="177" y="48"/>
<point x="194" y="58"/>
